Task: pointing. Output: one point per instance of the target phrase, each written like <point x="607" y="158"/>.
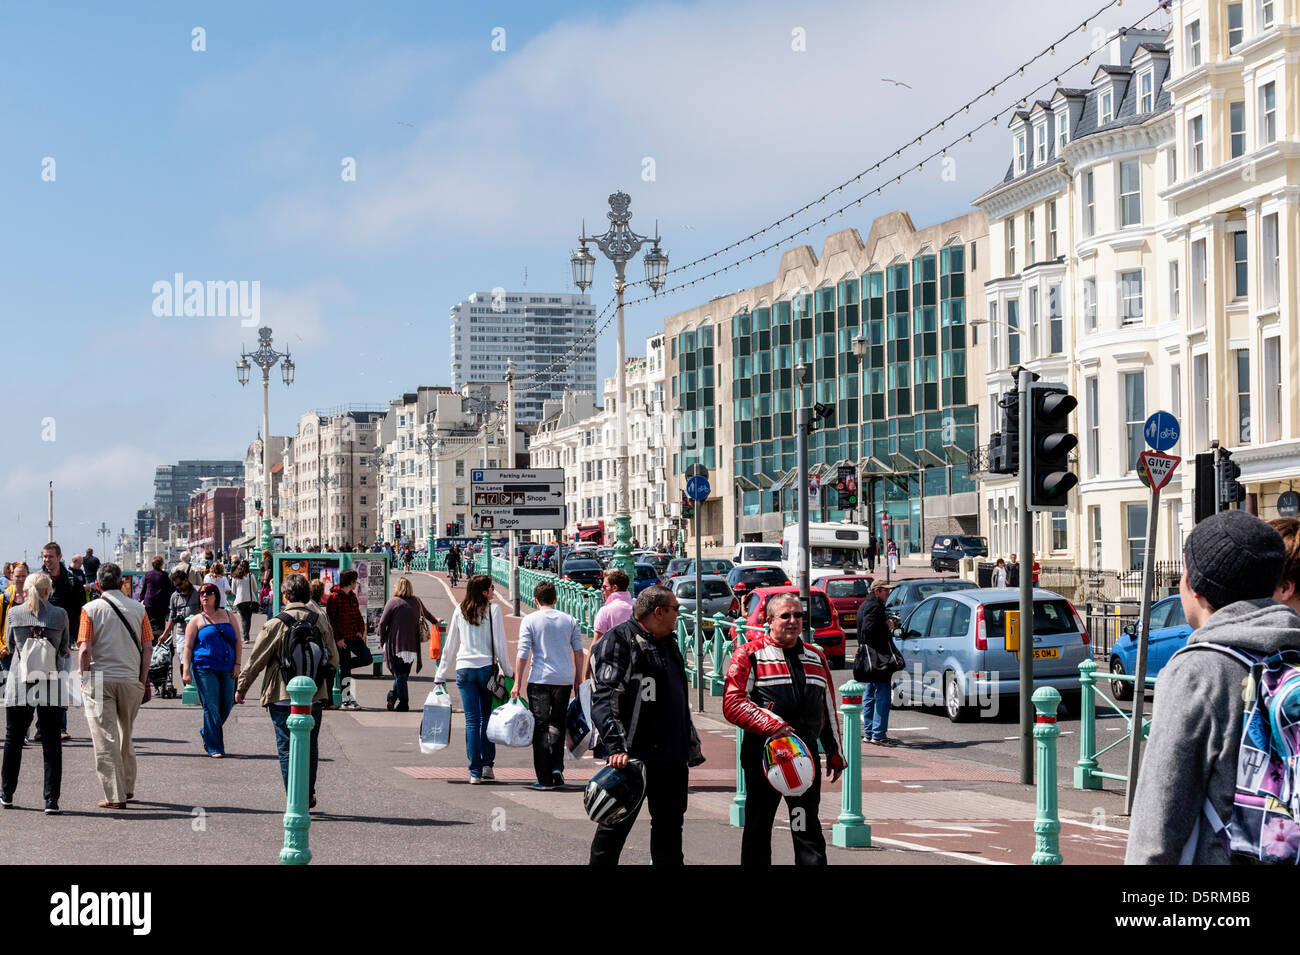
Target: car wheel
<point x="953" y="702"/>
<point x="1118" y="688"/>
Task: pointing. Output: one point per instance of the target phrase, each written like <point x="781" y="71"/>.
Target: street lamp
<point x="430" y="442"/>
<point x="620" y="244"/>
<point x="266" y="358"/>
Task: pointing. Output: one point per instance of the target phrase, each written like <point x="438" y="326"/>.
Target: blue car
<point x="1169" y="632"/>
<point x="646" y="576"/>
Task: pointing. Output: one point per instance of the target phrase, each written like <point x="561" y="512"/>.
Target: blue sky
<point x="224" y="165"/>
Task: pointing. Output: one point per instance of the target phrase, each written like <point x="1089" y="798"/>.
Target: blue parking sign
<point x="1161" y="431"/>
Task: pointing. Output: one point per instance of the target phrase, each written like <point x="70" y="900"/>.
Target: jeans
<point x="217" y="697"/>
<point x="246" y="617"/>
<point x="356" y="653"/>
<point x="477" y="702"/>
<point x="47" y="721"/>
<point x="666" y="793"/>
<point x="400" y="694"/>
<point x="761" y="802"/>
<point x="875" y="709"/>
<point x="280" y="720"/>
<point x="549" y="704"/>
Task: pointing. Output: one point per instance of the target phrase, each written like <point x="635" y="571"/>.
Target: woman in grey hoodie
<point x="41" y="696"/>
<point x="1232" y="563"/>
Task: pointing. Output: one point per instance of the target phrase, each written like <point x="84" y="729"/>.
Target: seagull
<point x="885" y="79"/>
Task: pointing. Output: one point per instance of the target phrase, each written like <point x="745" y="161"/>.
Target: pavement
<point x="382" y="801"/>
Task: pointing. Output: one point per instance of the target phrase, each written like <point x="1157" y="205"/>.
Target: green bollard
<point x="1087" y="764"/>
<point x="1047" y="826"/>
<point x="718" y="682"/>
<point x="297" y="820"/>
<point x="851" y="830"/>
<point x="336" y="697"/>
<point x="738" y="801"/>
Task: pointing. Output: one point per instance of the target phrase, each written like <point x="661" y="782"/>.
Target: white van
<point x="750" y="552"/>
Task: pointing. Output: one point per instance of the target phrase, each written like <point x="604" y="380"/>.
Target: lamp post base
<point x="623" y="545"/>
<point x="266" y="534"/>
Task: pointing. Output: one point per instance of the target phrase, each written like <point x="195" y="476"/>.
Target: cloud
<point x="105" y="471"/>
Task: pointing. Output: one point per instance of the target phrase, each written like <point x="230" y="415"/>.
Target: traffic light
<point x="1050" y="444"/>
<point x="688" y="508"/>
<point x="449" y="528"/>
<point x="1004" y="445"/>
<point x="1231" y="491"/>
<point x="1203" y="502"/>
<point x="397" y="530"/>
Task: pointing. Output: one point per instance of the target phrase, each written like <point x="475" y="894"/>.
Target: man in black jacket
<point x="640" y="705"/>
<point x="91" y="566"/>
<point x="875" y="644"/>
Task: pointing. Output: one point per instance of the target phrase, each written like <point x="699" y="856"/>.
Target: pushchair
<point x="160" y="668"/>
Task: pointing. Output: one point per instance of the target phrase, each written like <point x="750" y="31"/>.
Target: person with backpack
<point x="211" y="662"/>
<point x="1196" y="802"/>
<point x="875" y="664"/>
<point x="295" y="642"/>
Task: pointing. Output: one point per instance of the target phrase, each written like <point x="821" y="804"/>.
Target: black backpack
<point x="302" y="651"/>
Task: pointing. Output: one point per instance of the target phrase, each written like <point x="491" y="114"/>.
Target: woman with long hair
<point x="399" y="635"/>
<point x="38" y="631"/>
<point x="212" y="662"/>
<point x="217" y="577"/>
<point x="476" y="640"/>
<point x="13" y="595"/>
<point x="245" y="598"/>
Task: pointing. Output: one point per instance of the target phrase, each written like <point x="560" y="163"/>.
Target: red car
<point x="825" y="621"/>
<point x="846" y="593"/>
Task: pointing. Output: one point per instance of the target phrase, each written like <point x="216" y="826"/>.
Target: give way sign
<point x="1160" y="467"/>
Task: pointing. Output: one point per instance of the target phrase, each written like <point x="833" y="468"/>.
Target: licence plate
<point x="849" y="617"/>
<point x="1050" y="653"/>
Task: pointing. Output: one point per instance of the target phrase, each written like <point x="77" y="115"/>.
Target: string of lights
<point x="584" y="343"/>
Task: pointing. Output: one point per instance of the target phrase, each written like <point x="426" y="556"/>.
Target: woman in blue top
<point x="212" y="660"/>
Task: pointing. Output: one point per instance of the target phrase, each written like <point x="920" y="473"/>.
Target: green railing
<point x="1087" y="775"/>
<point x="717" y="643"/>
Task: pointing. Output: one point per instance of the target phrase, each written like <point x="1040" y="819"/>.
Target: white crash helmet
<point x="788" y="765"/>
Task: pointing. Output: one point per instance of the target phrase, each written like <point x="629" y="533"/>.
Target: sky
<point x="371" y="165"/>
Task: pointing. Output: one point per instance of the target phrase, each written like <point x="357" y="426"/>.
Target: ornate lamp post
<point x="265" y="358"/>
<point x="620" y="244"/>
<point x="429" y="442"/>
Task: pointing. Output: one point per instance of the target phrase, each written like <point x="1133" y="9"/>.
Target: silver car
<point x="718" y="597"/>
<point x="954" y="649"/>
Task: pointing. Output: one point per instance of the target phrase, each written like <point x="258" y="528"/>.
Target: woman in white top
<point x="245" y="598"/>
<point x="217" y="577"/>
<point x="476" y="636"/>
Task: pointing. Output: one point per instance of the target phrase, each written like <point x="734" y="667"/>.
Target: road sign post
<point x="697" y="489"/>
<point x="1161" y="432"/>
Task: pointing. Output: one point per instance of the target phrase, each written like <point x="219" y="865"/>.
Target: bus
<point x="833" y="549"/>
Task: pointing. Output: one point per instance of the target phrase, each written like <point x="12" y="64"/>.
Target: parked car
<point x="646" y="576"/>
<point x="827" y="632"/>
<point x="846" y="593"/>
<point x="908" y="593"/>
<point x="718" y="597"/>
<point x="954" y="643"/>
<point x="746" y="577"/>
<point x="604" y="555"/>
<point x="584" y="570"/>
<point x="546" y="558"/>
<point x="676" y="567"/>
<point x="751" y="553"/>
<point x="1169" y="633"/>
<point x="530" y="557"/>
<point x="658" y="561"/>
<point x="709" y="565"/>
<point x="947" y="550"/>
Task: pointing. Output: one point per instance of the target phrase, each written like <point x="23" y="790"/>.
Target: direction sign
<point x="1159" y="467"/>
<point x="697" y="488"/>
<point x="1161" y="431"/>
<point x="508" y="499"/>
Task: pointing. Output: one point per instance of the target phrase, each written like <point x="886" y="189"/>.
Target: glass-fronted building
<point x="902" y="413"/>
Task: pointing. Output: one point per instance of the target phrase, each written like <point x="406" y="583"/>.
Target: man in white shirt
<point x="549" y="663"/>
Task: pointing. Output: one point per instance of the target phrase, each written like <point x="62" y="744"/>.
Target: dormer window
<point x="1105" y="107"/>
<point x="1040" y="144"/>
<point x="1062" y="130"/>
<point x="1020" y="153"/>
<point x="1146" y="91"/>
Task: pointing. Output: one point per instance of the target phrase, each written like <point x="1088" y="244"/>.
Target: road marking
<point x="920" y="848"/>
<point x="909" y="729"/>
<point x="937" y="835"/>
<point x="1011" y="737"/>
<point x="912" y="786"/>
<point x="1090" y="825"/>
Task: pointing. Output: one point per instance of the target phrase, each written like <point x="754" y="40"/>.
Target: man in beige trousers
<point x="116" y="645"/>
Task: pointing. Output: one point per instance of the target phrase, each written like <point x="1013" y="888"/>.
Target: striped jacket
<point x="760" y="697"/>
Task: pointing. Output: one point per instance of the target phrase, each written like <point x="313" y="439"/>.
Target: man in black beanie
<point x="1232" y="562"/>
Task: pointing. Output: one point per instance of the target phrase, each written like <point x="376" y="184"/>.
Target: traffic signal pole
<point x="802" y="416"/>
<point x="1027" y="716"/>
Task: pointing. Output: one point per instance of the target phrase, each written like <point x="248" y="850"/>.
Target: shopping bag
<point x="435" y="726"/>
<point x="577" y="731"/>
<point x="511" y="724"/>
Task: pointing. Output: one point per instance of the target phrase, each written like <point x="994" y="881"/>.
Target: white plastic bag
<point x="435" y="726"/>
<point x="511" y="724"/>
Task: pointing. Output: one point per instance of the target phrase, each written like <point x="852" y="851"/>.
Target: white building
<point x="332" y="477"/>
<point x="580" y="437"/>
<point x="255" y="489"/>
<point x="536" y="329"/>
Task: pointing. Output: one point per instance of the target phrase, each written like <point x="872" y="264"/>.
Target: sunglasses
<point x="796" y="615"/>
